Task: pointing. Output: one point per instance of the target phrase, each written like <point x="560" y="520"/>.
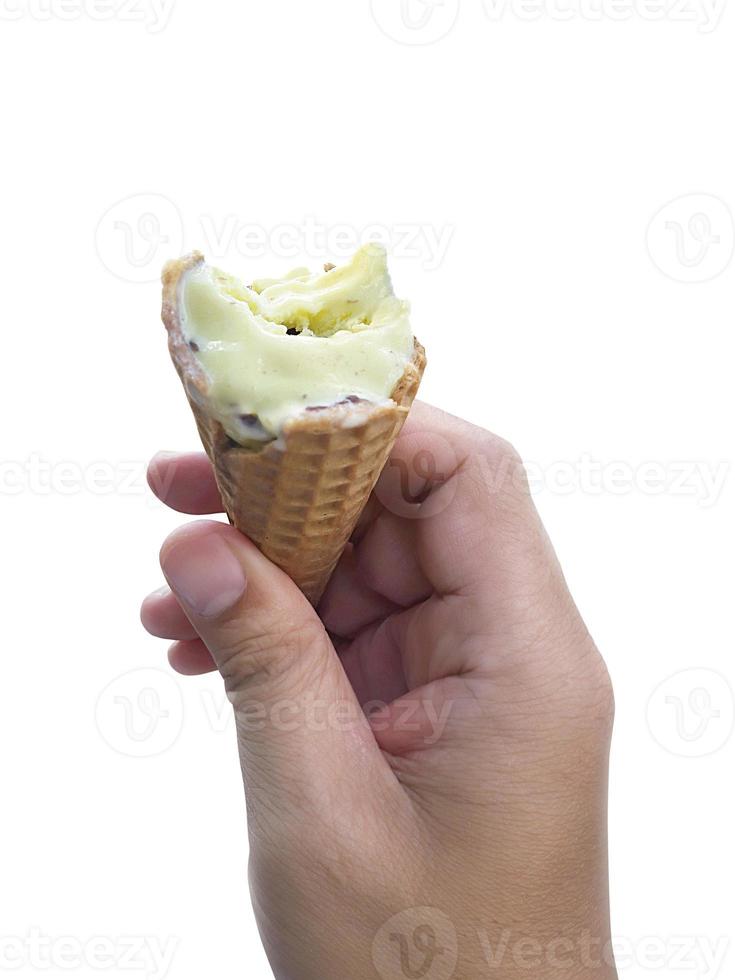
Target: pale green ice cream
<point x="280" y="346"/>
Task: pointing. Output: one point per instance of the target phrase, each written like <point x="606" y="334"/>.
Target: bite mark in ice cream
<point x="307" y="341"/>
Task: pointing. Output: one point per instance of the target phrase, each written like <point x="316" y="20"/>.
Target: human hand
<point x="457" y="826"/>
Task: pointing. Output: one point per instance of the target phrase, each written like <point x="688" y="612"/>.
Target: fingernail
<point x="204" y="574"/>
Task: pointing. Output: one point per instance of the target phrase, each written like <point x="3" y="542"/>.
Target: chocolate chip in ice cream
<point x="348" y="400"/>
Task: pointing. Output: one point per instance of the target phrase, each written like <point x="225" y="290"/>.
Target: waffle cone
<point x="297" y="498"/>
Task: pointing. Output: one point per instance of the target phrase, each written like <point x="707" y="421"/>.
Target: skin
<point x="431" y="745"/>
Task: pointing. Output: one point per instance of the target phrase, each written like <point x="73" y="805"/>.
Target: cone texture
<point x="300" y="497"/>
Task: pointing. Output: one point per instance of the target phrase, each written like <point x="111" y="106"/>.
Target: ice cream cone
<point x="297" y="497"/>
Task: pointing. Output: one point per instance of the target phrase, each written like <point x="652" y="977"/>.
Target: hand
<point x="468" y="800"/>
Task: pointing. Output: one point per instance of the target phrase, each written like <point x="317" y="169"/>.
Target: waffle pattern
<point x="300" y="504"/>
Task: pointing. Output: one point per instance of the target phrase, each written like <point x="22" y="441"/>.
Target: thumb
<point x="299" y="724"/>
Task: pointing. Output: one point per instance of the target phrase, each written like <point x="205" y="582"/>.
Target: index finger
<point x="185" y="482"/>
<point x="465" y="492"/>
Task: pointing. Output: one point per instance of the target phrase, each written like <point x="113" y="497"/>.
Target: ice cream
<point x="280" y="346"/>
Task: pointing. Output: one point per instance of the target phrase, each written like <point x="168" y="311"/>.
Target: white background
<point x="563" y="308"/>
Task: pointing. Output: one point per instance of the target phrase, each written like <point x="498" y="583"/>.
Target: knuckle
<point x="252" y="656"/>
<point x="498" y="448"/>
<point x="501" y="454"/>
<point x="496" y="469"/>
